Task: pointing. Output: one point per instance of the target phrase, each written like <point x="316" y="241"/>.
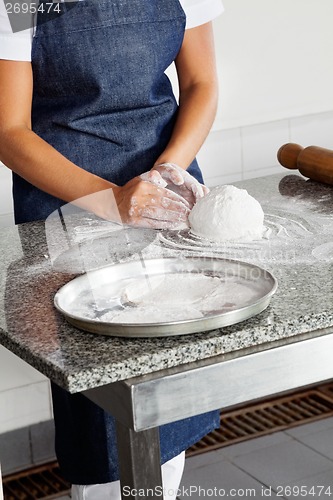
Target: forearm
<point x="197" y="110"/>
<point x="40" y="164"/>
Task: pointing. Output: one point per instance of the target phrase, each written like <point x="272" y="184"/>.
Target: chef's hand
<point x="178" y="180"/>
<point x="149" y="204"/>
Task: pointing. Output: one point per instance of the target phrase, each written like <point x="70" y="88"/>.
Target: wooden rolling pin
<point x="313" y="162"/>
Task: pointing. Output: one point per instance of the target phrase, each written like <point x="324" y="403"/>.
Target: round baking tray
<point x="88" y="299"/>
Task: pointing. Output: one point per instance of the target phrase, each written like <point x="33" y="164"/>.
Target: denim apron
<point x="102" y="99"/>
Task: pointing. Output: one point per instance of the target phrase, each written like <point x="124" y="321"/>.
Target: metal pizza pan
<point x="97" y="301"/>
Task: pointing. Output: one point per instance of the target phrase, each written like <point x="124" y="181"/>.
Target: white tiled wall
<point x="248" y="152"/>
<point x="316" y="130"/>
<point x="227" y="156"/>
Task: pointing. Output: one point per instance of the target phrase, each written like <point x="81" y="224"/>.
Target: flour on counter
<point x="227" y="213"/>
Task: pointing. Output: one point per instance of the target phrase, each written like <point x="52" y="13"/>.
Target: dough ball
<point x="227" y="213"/>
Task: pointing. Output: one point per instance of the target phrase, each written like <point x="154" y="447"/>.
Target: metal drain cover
<point x="266" y="417"/>
<point x="44" y="482"/>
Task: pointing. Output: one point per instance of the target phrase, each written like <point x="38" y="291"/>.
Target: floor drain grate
<point x="326" y="389"/>
<point x="266" y="417"/>
<point x="44" y="482"/>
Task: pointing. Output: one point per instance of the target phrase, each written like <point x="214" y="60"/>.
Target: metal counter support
<point x="139" y="460"/>
<point x="148" y="401"/>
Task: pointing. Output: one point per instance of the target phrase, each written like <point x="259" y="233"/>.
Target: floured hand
<point x="149" y="204"/>
<point x="178" y="180"/>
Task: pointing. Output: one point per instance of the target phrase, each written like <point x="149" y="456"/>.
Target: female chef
<point x="85" y="109"/>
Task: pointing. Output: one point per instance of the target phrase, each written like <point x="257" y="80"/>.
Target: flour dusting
<point x="170" y="290"/>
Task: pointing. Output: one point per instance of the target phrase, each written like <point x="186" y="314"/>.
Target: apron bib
<point x="101" y="98"/>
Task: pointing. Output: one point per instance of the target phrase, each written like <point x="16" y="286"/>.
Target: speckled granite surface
<point x="299" y="252"/>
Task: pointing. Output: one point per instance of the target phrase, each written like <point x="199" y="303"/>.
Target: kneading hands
<point x="161" y="198"/>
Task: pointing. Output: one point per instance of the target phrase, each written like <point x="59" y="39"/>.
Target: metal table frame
<point x="141" y="404"/>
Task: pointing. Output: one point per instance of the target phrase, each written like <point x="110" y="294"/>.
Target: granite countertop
<point x="299" y="252"/>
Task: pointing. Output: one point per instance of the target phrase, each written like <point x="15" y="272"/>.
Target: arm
<point x="27" y="154"/>
<point x="198" y="93"/>
<point x="139" y="203"/>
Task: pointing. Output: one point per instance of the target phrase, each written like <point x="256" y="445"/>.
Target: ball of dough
<point x="226" y="214"/>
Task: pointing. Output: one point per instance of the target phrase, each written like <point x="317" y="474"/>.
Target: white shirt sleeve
<point x="14" y="46"/>
<point x="17" y="46"/>
<point x="201" y="11"/>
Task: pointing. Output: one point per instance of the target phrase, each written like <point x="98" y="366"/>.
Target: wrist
<point x="168" y="164"/>
<point x="102" y="201"/>
<point x="106" y="204"/>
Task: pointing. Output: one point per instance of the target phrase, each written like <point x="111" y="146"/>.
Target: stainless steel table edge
<point x="222" y="381"/>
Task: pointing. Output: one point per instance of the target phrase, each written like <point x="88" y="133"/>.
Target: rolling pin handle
<point x="288" y="155"/>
